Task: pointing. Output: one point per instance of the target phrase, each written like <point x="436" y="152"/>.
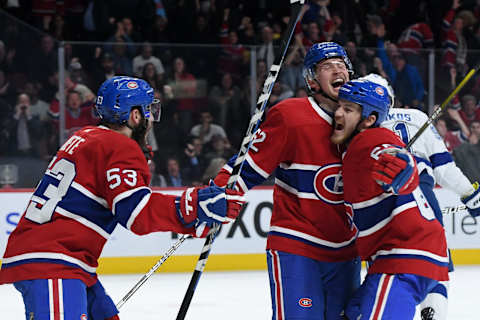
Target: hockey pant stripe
<point x="381" y="297"/>
<point x="55" y="298"/>
<point x="277" y="278"/>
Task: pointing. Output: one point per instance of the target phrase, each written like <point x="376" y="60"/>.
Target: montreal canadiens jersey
<point x="98" y="179"/>
<point x="396" y="233"/>
<point x="308" y="217"/>
<point x="429" y="149"/>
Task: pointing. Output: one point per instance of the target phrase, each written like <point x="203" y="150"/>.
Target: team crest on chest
<point x="328" y="183"/>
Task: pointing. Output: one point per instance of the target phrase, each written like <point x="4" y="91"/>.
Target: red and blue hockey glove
<point x="472" y="202"/>
<point x="202" y="207"/>
<point x="395" y="170"/>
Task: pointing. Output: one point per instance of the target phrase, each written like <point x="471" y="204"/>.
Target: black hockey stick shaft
<point x="246" y="143"/>
<point x="438" y="111"/>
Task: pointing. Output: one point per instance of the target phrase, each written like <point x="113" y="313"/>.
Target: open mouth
<point x="337" y="83"/>
<point x="338" y="126"/>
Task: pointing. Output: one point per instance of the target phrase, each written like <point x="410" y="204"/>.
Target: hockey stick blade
<point x="145" y="277"/>
<point x="436" y="113"/>
<point x="246" y="143"/>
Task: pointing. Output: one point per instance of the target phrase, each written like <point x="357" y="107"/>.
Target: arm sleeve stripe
<point x="124" y="195"/>
<point x="137" y="210"/>
<point x="440" y="159"/>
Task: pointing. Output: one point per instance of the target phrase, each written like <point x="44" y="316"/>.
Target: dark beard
<point x="139" y="134"/>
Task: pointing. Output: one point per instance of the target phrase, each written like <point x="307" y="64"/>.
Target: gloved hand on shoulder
<point x="395" y="169"/>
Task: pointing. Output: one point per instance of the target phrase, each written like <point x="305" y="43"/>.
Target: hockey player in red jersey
<point x="311" y="254"/>
<point x="398" y="234"/>
<point x="98" y="179"/>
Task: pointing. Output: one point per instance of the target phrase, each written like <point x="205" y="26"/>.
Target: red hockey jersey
<point x="98" y="179"/>
<point x="308" y="217"/>
<point x="396" y="234"/>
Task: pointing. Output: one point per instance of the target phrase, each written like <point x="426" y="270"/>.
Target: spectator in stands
<point x="312" y="35"/>
<point x="77" y="73"/>
<point x="457" y="124"/>
<point x="157" y="179"/>
<point x="375" y="31"/>
<point x="333" y="30"/>
<point x="454" y="42"/>
<point x="225" y="100"/>
<point x="474" y="127"/>
<point x="267" y="49"/>
<point x="193" y="160"/>
<point x="77" y="114"/>
<point x="85" y="93"/>
<point x="206" y="129"/>
<point x="149" y="74"/>
<point x="160" y="32"/>
<point x="219" y="147"/>
<point x="405" y="78"/>
<point x="412" y="41"/>
<point x="246" y="31"/>
<point x="291" y="73"/>
<point x="450" y="138"/>
<point x="26" y="131"/>
<point x="470" y="109"/>
<point x="120" y="36"/>
<point x="233" y="58"/>
<point x="184" y="86"/>
<point x="146" y="57"/>
<point x="174" y="177"/>
<point x="45" y="60"/>
<point x="38" y="107"/>
<point x="130" y="31"/>
<point x="280" y="91"/>
<point x="104" y="68"/>
<point x="359" y="65"/>
<point x="122" y="61"/>
<point x="212" y="169"/>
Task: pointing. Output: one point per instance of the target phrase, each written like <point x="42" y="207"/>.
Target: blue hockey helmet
<point x="378" y="79"/>
<point x="372" y="97"/>
<point x="118" y="95"/>
<point x="322" y="51"/>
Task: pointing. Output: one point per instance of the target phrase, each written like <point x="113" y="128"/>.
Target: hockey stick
<point x="246" y="143"/>
<point x="436" y="113"/>
<point x="152" y="270"/>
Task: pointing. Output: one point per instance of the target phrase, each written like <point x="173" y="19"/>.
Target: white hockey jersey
<point x="429" y="149"/>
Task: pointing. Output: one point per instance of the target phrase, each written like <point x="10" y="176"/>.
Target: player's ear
<point x="368" y="121"/>
<point x="135" y="116"/>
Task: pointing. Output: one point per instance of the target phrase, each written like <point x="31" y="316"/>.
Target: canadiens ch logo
<point x="328" y="183"/>
<point x="305" y="302"/>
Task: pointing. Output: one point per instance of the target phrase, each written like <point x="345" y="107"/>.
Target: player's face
<point x="331" y="74"/>
<point x="347" y="117"/>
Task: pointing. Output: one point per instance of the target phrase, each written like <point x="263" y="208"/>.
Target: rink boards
<point x="239" y="246"/>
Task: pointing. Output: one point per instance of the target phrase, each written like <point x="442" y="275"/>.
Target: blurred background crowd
<point x="207" y="61"/>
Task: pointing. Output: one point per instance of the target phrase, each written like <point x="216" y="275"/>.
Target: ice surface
<point x="226" y="295"/>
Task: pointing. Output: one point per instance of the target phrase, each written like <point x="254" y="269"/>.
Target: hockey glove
<point x="202" y="207"/>
<point x="472" y="202"/>
<point x="395" y="170"/>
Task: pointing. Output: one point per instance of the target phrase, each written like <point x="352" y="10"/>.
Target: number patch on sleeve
<point x="115" y="177"/>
